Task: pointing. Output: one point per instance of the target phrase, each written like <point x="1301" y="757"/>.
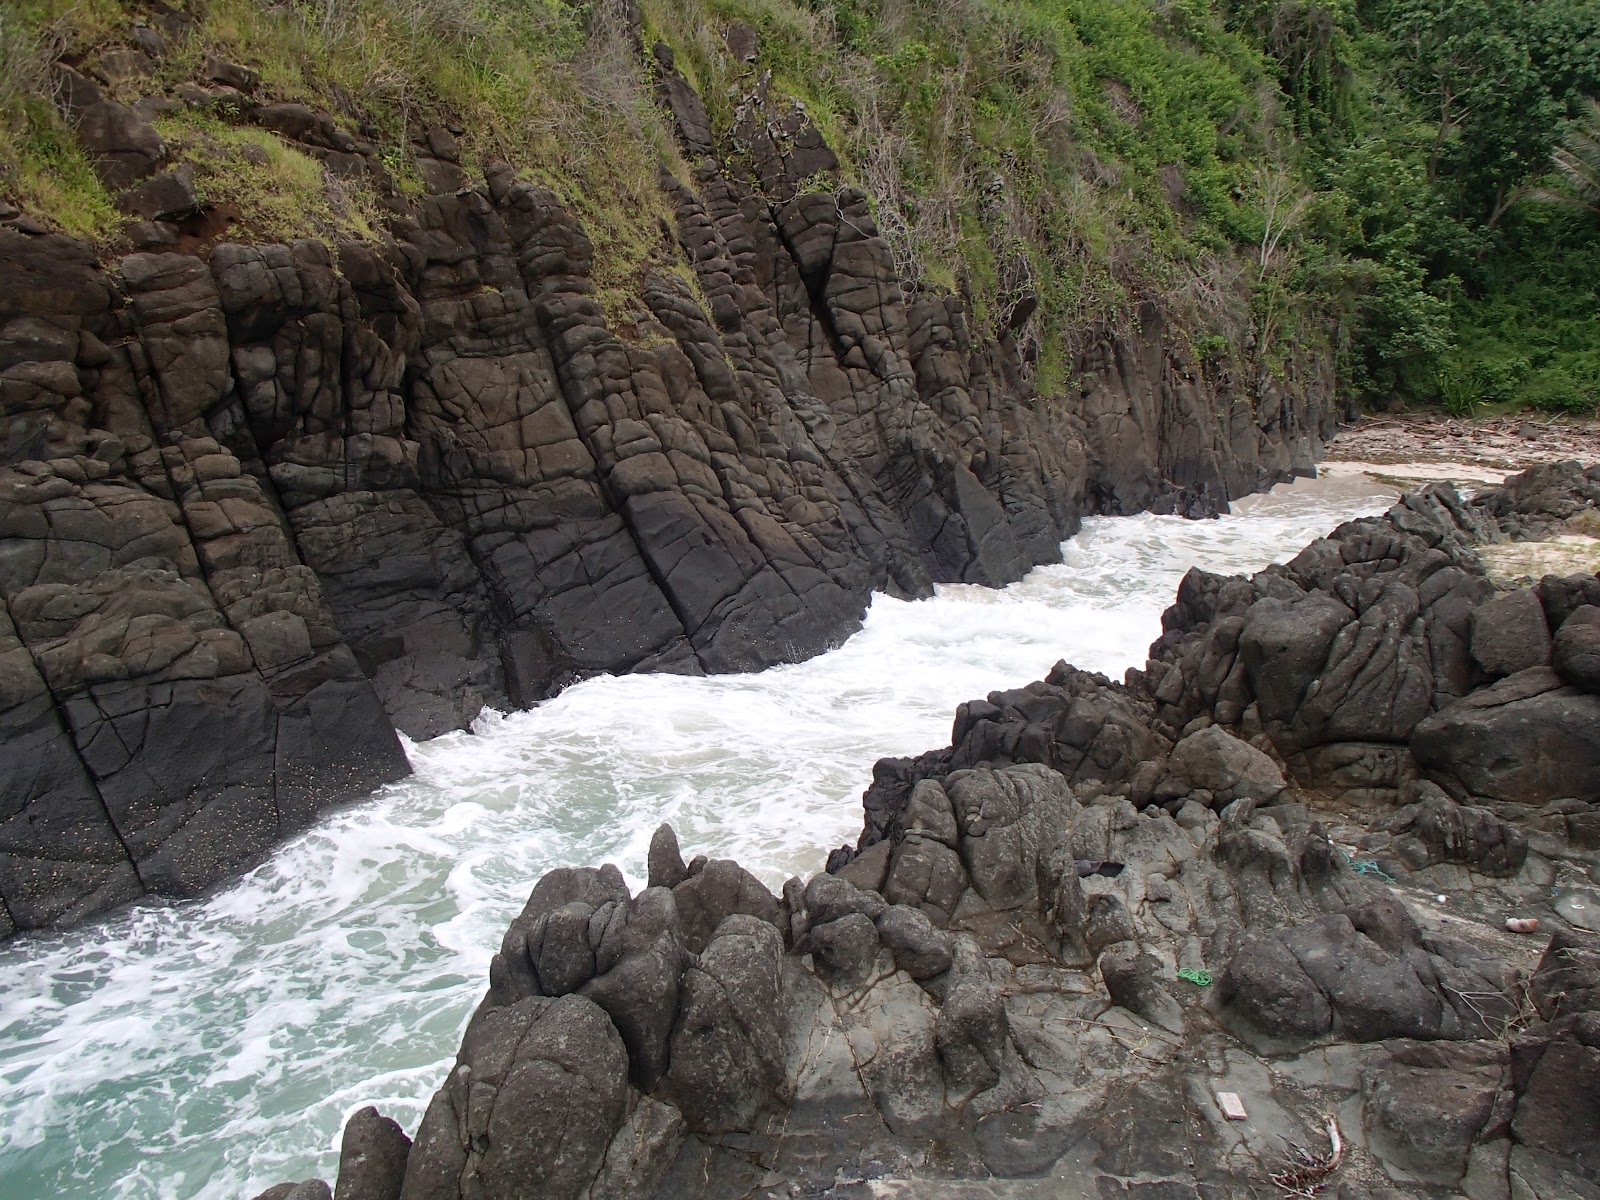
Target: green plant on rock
<point x="1283" y="176"/>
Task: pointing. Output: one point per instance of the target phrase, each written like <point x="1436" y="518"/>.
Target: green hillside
<point x="1374" y="177"/>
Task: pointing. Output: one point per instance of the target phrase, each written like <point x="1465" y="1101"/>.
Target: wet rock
<point x="372" y="1158"/>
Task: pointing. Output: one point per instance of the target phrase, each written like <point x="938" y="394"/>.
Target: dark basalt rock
<point x="1529" y="739"/>
<point x="1433" y="828"/>
<point x="971" y="996"/>
<point x="530" y="1108"/>
<point x="372" y="1158"/>
<point x="260" y="509"/>
<point x="1577" y="649"/>
<point x="1510" y="634"/>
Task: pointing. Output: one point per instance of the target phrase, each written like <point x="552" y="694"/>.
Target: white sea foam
<point x="212" y="1048"/>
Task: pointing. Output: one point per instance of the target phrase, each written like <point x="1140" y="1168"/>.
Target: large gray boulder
<point x="372" y="1158"/>
<point x="539" y="1089"/>
<point x="1529" y="739"/>
<point x="1214" y="761"/>
<point x="1433" y="828"/>
<point x="1510" y="634"/>
<point x="1577" y="649"/>
<point x="730" y="1041"/>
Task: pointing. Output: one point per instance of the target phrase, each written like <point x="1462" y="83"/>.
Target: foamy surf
<point x="211" y="1048"/>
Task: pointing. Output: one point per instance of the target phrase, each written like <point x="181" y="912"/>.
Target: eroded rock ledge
<point x="1318" y="802"/>
<point x="261" y="507"/>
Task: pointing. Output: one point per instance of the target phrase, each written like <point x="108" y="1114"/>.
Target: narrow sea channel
<point x="212" y="1048"/>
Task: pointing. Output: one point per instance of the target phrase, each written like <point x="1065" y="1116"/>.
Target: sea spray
<point x="214" y="1047"/>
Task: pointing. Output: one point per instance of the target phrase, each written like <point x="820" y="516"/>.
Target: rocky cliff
<point x="262" y="505"/>
<point x="1195" y="935"/>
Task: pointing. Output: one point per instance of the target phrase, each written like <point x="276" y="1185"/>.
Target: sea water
<point x="214" y="1047"/>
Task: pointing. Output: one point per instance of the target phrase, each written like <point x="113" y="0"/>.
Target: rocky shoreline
<point x="1405" y="446"/>
<point x="264" y="506"/>
<point x="1236" y="926"/>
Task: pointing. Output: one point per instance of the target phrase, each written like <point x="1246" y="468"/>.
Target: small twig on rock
<point x="1309" y="1177"/>
<point x="1115" y="1031"/>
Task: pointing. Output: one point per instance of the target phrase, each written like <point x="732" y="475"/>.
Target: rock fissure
<point x="275" y="502"/>
<point x="967" y="999"/>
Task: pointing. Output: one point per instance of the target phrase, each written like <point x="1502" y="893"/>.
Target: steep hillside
<point x="597" y="356"/>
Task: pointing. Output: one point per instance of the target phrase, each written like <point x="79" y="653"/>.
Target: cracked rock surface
<point x="977" y="1002"/>
<point x="262" y="506"/>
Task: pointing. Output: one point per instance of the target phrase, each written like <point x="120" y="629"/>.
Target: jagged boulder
<point x="1223" y="767"/>
<point x="530" y="1108"/>
<point x="1510" y="634"/>
<point x="373" y="1154"/>
<point x="1529" y="739"/>
<point x="1433" y="828"/>
<point x="1577" y="649"/>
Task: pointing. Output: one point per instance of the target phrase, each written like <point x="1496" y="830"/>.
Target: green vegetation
<point x="1410" y="185"/>
<point x="274" y="189"/>
<point x="530" y="81"/>
<point x="1429" y="139"/>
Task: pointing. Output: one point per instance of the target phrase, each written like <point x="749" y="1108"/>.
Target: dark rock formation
<point x="972" y="1000"/>
<point x="261" y="505"/>
<point x="1376" y="657"/>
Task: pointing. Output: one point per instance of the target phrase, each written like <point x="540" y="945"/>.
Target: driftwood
<point x="1308" y="1176"/>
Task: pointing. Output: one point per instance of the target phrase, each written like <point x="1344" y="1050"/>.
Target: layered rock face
<point x="1065" y="937"/>
<point x="263" y="505"/>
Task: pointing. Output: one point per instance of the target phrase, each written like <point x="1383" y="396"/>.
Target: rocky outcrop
<point x="1378" y="658"/>
<point x="1063" y="939"/>
<point x="263" y="505"/>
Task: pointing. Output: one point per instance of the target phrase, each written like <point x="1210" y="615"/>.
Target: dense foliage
<point x="1460" y="269"/>
<point x="1400" y="180"/>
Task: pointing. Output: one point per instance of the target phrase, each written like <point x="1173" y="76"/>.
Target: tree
<point x="1577" y="161"/>
<point x="1469" y="63"/>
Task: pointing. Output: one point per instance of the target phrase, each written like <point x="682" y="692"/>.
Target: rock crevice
<point x="1061" y="939"/>
<point x="262" y="506"/>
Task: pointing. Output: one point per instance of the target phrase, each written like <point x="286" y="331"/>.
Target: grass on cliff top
<point x="271" y="187"/>
<point x="40" y="161"/>
<point x="1087" y="152"/>
<point x="1090" y="152"/>
<point x="547" y="86"/>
